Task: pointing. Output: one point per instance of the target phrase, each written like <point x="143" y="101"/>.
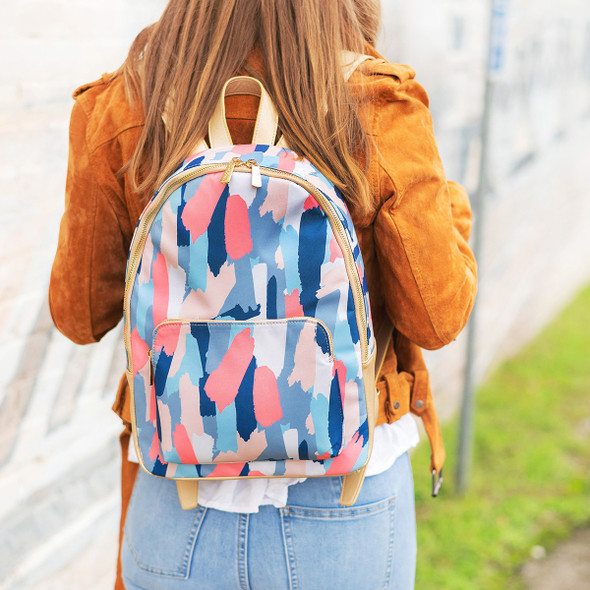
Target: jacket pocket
<point x="233" y="391"/>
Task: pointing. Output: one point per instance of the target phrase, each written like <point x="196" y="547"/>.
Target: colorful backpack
<point x="247" y="321"/>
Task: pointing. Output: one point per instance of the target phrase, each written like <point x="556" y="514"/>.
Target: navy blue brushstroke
<point x="159" y="468"/>
<point x="312" y="248"/>
<point x="335" y="417"/>
<point x="201" y="334"/>
<point x="216" y="233"/>
<point x="363" y="432"/>
<point x="195" y="162"/>
<point x="245" y="417"/>
<point x="321" y="337"/>
<point x="183" y="235"/>
<point x="271" y="298"/>
<point x="237" y="313"/>
<point x="303" y="451"/>
<point x="161" y="372"/>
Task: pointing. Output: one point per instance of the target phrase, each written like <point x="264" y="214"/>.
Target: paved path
<point x="566" y="568"/>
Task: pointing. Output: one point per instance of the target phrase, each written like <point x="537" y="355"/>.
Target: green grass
<point x="530" y="482"/>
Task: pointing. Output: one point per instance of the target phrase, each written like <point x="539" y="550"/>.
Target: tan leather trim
<point x="352" y="482"/>
<point x="350" y="61"/>
<point x="188" y="493"/>
<point x="267" y="119"/>
<point x="351" y="486"/>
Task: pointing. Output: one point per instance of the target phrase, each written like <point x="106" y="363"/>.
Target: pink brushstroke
<point x="361" y="272"/>
<point x="340" y="371"/>
<point x="251" y="449"/>
<point x="227" y="470"/>
<point x="333" y="280"/>
<point x="198" y="211"/>
<point x="143" y="276"/>
<point x="310" y="203"/>
<point x="153" y="412"/>
<point x="309" y="424"/>
<point x="293" y="308"/>
<point x="183" y="446"/>
<point x="169" y="239"/>
<point x="238" y="241"/>
<point x="160" y="280"/>
<point x="279" y="258"/>
<point x="345" y="462"/>
<point x="139" y="351"/>
<point x="167" y="337"/>
<point x="155" y="448"/>
<point x="351" y="410"/>
<point x="287" y="161"/>
<point x="335" y="250"/>
<point x="267" y="402"/>
<point x="165" y="427"/>
<point x="276" y="199"/>
<point x="240" y="150"/>
<point x="207" y="304"/>
<point x="223" y="383"/>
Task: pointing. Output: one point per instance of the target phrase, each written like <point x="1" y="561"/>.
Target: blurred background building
<point x="58" y="437"/>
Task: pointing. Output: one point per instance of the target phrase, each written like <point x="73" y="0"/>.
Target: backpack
<point x="247" y="324"/>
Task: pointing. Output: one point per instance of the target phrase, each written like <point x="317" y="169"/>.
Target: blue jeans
<point x="313" y="543"/>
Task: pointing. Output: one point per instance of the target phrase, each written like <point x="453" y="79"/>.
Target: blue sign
<point x="497" y="36"/>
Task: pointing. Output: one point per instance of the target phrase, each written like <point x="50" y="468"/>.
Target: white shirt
<point x="247" y="495"/>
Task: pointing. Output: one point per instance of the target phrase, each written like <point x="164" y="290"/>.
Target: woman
<point x="374" y="139"/>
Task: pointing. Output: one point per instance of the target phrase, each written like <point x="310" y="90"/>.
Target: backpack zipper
<point x="228" y="168"/>
<point x="249" y="322"/>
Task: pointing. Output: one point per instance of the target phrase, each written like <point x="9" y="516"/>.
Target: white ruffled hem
<point x="246" y="496"/>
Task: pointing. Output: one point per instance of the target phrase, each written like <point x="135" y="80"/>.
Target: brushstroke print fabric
<point x="245" y="346"/>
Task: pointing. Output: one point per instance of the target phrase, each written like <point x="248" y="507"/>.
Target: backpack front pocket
<point x="231" y="391"/>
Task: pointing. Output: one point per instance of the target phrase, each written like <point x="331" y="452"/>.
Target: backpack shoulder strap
<point x="350" y="61"/>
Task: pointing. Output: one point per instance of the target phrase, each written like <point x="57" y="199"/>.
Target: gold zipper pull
<point x="151" y="377"/>
<point x="230" y="170"/>
<point x="256" y="177"/>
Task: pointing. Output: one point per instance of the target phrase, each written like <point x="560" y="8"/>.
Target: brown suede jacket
<point x="419" y="267"/>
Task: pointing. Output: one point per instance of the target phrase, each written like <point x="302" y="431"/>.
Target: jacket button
<point x="396" y="406"/>
<point x="419" y="404"/>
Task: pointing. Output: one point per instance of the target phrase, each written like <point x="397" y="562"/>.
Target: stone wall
<point x="58" y="449"/>
<point x="535" y="251"/>
<point x="59" y="485"/>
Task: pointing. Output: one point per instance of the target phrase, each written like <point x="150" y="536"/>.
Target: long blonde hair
<point x="198" y="44"/>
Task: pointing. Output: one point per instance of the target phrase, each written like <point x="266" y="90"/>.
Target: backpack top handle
<point x="267" y="119"/>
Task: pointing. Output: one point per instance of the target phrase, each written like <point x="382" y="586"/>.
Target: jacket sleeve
<point x="428" y="272"/>
<point x="87" y="278"/>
